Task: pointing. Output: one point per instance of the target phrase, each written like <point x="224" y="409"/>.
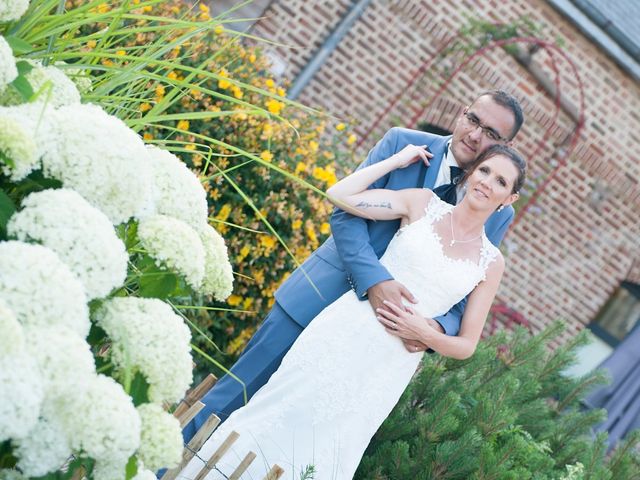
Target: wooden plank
<point x="194" y="445"/>
<point x="217" y="455"/>
<point x="275" y="473"/>
<point x="195" y="394"/>
<point x="189" y="414"/>
<point x="243" y="466"/>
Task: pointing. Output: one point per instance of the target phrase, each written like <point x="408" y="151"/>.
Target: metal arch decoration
<point x="551" y="49"/>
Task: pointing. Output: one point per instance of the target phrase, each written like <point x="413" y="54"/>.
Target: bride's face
<point x="491" y="183"/>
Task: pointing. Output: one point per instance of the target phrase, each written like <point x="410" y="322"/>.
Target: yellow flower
<point x="247" y="303"/>
<point x="121" y="53"/>
<point x="234" y="300"/>
<point x="244" y="251"/>
<point x="240" y="116"/>
<point x="340" y="127"/>
<point x="203" y="7"/>
<point x="103" y="8"/>
<point x="274" y="106"/>
<point x="301" y="167"/>
<point x="311" y="233"/>
<point x="147" y="136"/>
<point x="223" y="83"/>
<point x="267" y="129"/>
<point x="252" y="58"/>
<point x="172" y="75"/>
<point x="218" y="30"/>
<point x="258" y="276"/>
<point x="160" y="91"/>
<point x="266" y="155"/>
<point x="270" y="83"/>
<point x="183" y="125"/>
<point x="205" y="16"/>
<point x="224" y="212"/>
<point x="267" y="241"/>
<point x="144" y="107"/>
<point x="313" y="146"/>
<point x="325" y="228"/>
<point x="106" y="62"/>
<point x="147" y="8"/>
<point x="282" y="92"/>
<point x="92" y="44"/>
<point x="190" y="146"/>
<point x="328" y="155"/>
<point x="237" y="91"/>
<point x="352" y="139"/>
<point x="296" y="224"/>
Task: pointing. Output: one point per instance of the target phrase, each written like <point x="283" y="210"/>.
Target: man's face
<point x="470" y="139"/>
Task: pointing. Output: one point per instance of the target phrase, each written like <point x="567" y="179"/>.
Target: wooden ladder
<point x="185" y="412"/>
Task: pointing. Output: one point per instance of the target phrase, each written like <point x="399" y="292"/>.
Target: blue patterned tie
<point x="447" y="191"/>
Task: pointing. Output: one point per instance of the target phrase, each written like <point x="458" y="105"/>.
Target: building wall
<point x="572" y="248"/>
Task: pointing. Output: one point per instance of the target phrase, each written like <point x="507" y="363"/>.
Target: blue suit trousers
<point x="259" y="360"/>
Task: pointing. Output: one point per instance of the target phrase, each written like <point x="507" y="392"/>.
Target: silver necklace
<point x="453" y="237"/>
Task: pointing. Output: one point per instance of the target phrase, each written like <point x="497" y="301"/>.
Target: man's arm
<point x="351" y="234"/>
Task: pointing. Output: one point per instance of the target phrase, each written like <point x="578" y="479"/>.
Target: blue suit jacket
<point x="350" y="257"/>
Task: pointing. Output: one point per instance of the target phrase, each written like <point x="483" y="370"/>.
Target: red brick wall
<point x="575" y="245"/>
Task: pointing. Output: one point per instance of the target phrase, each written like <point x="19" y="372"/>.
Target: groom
<point x="349" y="258"/>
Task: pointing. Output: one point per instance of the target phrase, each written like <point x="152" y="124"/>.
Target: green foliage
<point x="506" y="413"/>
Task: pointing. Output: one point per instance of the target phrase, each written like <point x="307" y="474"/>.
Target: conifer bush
<point x="505" y="413"/>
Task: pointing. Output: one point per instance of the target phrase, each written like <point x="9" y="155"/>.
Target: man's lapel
<point x="438" y="148"/>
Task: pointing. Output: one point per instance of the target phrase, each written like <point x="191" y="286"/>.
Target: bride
<point x="346" y="371"/>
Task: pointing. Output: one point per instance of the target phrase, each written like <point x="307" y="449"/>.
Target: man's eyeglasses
<point x="488" y="132"/>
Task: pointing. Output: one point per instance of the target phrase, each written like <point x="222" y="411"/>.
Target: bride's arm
<point x="351" y="194"/>
<point x="411" y="326"/>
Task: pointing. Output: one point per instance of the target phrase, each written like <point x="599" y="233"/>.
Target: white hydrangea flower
<point x="11" y="333"/>
<point x="21" y="393"/>
<point x="40" y="289"/>
<point x="218" y="277"/>
<point x="50" y="84"/>
<point x="12" y="9"/>
<point x="12" y="474"/>
<point x="44" y="449"/>
<point x="147" y="335"/>
<point x="23" y="134"/>
<point x="180" y="193"/>
<point x="8" y="69"/>
<point x="81" y="78"/>
<point x="101" y="421"/>
<point x="144" y="474"/>
<point x="104" y="470"/>
<point x="65" y="360"/>
<point x="106" y="162"/>
<point x="81" y="235"/>
<point x="160" y="438"/>
<point x="176" y="245"/>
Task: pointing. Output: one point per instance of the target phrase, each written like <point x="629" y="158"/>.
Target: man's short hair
<point x="509" y="102"/>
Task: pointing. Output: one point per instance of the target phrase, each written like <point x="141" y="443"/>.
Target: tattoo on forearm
<point x="378" y="205"/>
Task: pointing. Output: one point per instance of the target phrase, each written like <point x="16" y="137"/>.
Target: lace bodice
<point x="416" y="258"/>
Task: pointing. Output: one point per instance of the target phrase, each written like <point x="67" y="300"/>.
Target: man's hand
<point x="389" y="290"/>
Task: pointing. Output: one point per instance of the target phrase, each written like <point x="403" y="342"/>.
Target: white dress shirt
<point x="444" y="174"/>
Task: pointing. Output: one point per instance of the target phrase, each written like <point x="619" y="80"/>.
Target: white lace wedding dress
<point x="345" y="373"/>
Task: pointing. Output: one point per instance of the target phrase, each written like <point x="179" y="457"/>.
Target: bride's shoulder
<point x="494" y="260"/>
<point x="420" y="201"/>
